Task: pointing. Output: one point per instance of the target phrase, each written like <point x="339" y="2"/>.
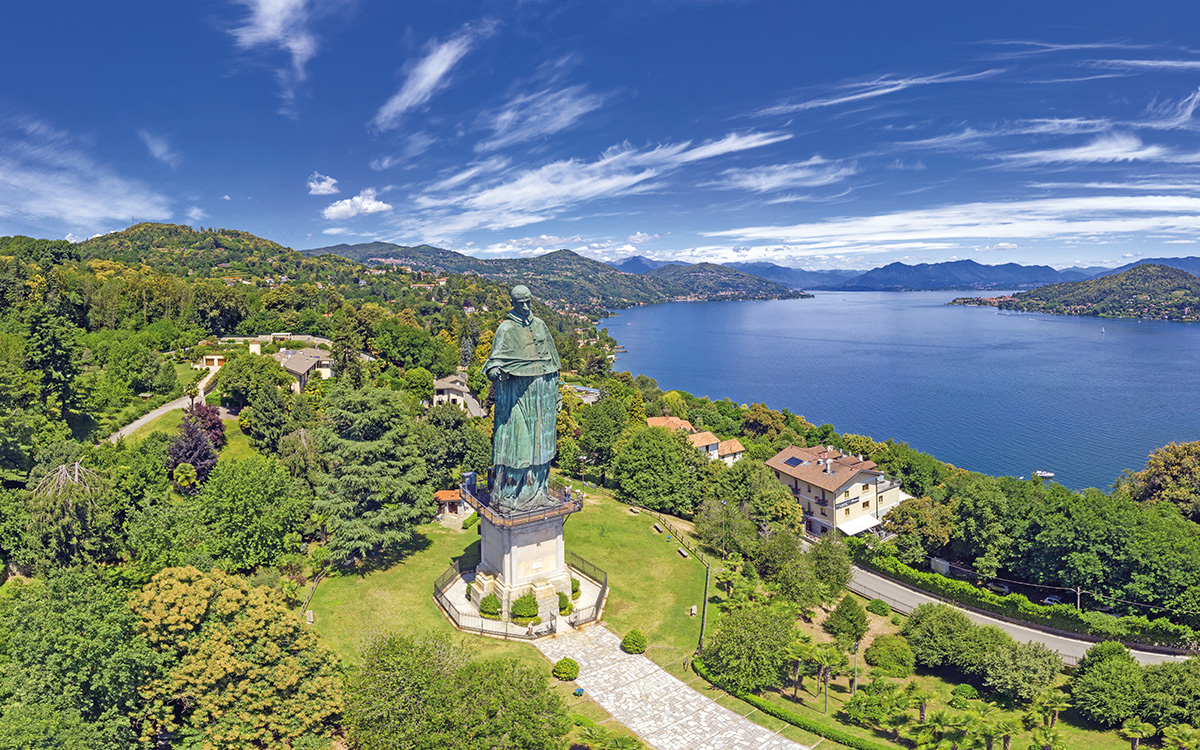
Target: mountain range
<point x="572" y="280"/>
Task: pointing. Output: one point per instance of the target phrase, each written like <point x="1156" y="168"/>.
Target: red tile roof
<point x="702" y="439"/>
<point x="671" y="423"/>
<point x="730" y="447"/>
<point x="809" y="465"/>
<point x="447" y="496"/>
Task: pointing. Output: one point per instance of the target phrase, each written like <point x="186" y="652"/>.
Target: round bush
<point x="634" y="642"/>
<point x="896" y="620"/>
<point x="891" y="655"/>
<point x="489" y="606"/>
<point x="566" y="669"/>
<point x="879" y="607"/>
<point x="966" y="691"/>
<point x="525" y="606"/>
<point x="574" y="587"/>
<point x="564" y="604"/>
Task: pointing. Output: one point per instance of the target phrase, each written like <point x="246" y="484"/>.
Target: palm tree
<point x="947" y="728"/>
<point x="1046" y="738"/>
<point x="1181" y="737"/>
<point x="1135" y="730"/>
<point x="1054" y="702"/>
<point x="1006" y="729"/>
<point x="897" y="722"/>
<point x="828" y="659"/>
<point x="622" y="743"/>
<point x="985" y="727"/>
<point x="799" y="652"/>
<point x="594" y="736"/>
<point x="920" y="698"/>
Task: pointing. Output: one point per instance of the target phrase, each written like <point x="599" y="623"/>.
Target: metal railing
<point x="481" y="501"/>
<point x="590" y="613"/>
<point x="696" y="553"/>
<point x="472" y="622"/>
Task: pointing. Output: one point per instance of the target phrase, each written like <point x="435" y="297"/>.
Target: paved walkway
<point x="659" y="708"/>
<point x="182" y="402"/>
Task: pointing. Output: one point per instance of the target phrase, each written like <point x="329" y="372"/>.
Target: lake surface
<point x="1001" y="393"/>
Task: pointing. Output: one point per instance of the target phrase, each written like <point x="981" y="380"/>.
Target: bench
<point x="658" y="528"/>
<point x="634" y="510"/>
<point x="693" y="612"/>
<point x="683" y="552"/>
<point x="309" y="616"/>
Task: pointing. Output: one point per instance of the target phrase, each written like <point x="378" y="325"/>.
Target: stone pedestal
<point x="523" y="558"/>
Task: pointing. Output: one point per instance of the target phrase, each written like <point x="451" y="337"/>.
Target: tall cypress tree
<point x="377" y="488"/>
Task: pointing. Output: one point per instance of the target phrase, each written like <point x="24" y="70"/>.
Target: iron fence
<point x="469" y="621"/>
<point x="590" y="613"/>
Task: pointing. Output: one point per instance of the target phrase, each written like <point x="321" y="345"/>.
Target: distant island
<point x="1144" y="291"/>
<point x="567" y="280"/>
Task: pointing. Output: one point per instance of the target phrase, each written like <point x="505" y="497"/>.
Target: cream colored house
<point x="451" y="389"/>
<point x="302" y="364"/>
<point x="729" y="451"/>
<point x="836" y="490"/>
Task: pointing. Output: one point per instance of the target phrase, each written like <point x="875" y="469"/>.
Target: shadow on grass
<point x="469" y="558"/>
<point x="394" y="556"/>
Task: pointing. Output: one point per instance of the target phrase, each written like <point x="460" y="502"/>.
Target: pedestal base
<point x="522" y="559"/>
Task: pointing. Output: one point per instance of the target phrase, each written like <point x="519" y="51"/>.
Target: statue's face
<point x="521" y="308"/>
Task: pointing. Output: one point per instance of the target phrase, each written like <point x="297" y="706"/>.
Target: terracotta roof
<point x="729" y="447"/>
<point x="802" y="463"/>
<point x="447" y="496"/>
<point x="701" y="439"/>
<point x="671" y="423"/>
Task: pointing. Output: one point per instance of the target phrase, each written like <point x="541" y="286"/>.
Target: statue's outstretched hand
<point x="497" y="374"/>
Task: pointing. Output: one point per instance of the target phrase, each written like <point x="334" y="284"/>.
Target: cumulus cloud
<point x="45" y="174"/>
<point x="996" y="247"/>
<point x="196" y="214"/>
<point x="640" y="238"/>
<point x="363" y="203"/>
<point x="160" y="148"/>
<point x="319" y="184"/>
<point x="225" y="198"/>
<point x="813" y="172"/>
<point x="534" y="115"/>
<point x="429" y="75"/>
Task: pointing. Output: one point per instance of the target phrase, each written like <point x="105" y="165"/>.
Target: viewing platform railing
<point x="481" y="500"/>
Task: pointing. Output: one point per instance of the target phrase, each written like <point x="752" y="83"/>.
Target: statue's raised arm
<point x="524" y="370"/>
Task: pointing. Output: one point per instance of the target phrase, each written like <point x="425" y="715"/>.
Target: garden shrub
<point x="897" y="621"/>
<point x="564" y="604"/>
<point x="566" y="669"/>
<point x="891" y="655"/>
<point x="580" y="720"/>
<point x="525" y="610"/>
<point x="966" y="690"/>
<point x="469" y="590"/>
<point x="470" y="520"/>
<point x="958" y="703"/>
<point x="574" y="587"/>
<point x="879" y="607"/>
<point x="489" y="607"/>
<point x="634" y="642"/>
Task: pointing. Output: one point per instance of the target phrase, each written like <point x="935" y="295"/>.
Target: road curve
<point x="905" y="599"/>
<point x="180" y="403"/>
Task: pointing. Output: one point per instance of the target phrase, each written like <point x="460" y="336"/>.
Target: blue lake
<point x="1000" y="393"/>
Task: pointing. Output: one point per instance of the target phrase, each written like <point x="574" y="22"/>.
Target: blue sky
<point x="846" y="136"/>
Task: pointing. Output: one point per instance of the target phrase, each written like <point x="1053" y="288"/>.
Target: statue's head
<point x="522" y="299"/>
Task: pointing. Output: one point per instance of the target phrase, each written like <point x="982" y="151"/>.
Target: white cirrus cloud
<point x="363" y="203"/>
<point x="414" y="145"/>
<point x="1115" y="147"/>
<point x="45" y="174"/>
<point x="320" y="184"/>
<point x="196" y="214"/>
<point x="887" y="84"/>
<point x="429" y="74"/>
<point x="534" y="115"/>
<point x="474" y="171"/>
<point x="282" y="25"/>
<point x="535" y="195"/>
<point x="160" y="148"/>
<point x="1089" y="218"/>
<point x="1183" y="66"/>
<point x="813" y="172"/>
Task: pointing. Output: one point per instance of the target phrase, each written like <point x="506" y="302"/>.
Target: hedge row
<point x="1160" y="631"/>
<point x="470" y="520"/>
<point x="795" y="719"/>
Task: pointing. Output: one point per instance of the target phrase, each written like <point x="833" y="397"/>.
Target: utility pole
<point x="855" y="690"/>
<point x="1078" y="591"/>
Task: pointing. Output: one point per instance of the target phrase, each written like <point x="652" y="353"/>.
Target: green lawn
<point x="167" y="424"/>
<point x="237" y="444"/>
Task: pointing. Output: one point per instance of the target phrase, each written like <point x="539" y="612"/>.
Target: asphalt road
<point x="182" y="402"/>
<point x="905" y="599"/>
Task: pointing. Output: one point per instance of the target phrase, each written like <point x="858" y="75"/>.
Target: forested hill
<point x="709" y="281"/>
<point x="961" y="274"/>
<point x="174" y="247"/>
<point x="1146" y="291"/>
<point x="568" y="279"/>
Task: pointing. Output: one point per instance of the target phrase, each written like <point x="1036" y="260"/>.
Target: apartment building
<point x="836" y="490"/>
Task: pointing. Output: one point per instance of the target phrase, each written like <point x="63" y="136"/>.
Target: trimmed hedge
<point x="566" y="669"/>
<point x="966" y="690"/>
<point x="489" y="607"/>
<point x="574" y="587"/>
<point x="470" y="520"/>
<point x="1135" y="630"/>
<point x="525" y="606"/>
<point x="634" y="642"/>
<point x="564" y="604"/>
<point x="796" y="720"/>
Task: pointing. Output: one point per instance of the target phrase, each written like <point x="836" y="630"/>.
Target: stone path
<point x="652" y="703"/>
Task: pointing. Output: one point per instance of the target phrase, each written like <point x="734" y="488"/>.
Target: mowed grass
<point x="237" y="443"/>
<point x="167" y="424"/>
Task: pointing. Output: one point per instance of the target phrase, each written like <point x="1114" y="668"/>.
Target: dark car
<point x="999" y="588"/>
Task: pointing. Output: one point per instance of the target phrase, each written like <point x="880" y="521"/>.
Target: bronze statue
<point x="523" y="368"/>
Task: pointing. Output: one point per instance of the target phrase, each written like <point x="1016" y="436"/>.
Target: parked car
<point x="1050" y="601"/>
<point x="999" y="588"/>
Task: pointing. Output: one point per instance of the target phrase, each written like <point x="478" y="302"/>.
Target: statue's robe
<point x="527" y="402"/>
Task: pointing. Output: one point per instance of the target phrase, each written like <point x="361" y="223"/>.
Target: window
<point x="847" y="494"/>
<point x="866" y="503"/>
<point x="847" y="512"/>
<point x="822" y="511"/>
<point x="866" y="487"/>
